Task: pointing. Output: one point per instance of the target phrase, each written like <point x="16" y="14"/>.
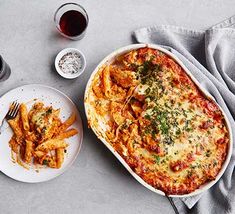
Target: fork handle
<point x="3" y="126"/>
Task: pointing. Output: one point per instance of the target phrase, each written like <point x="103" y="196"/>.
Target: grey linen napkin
<point x="210" y="56"/>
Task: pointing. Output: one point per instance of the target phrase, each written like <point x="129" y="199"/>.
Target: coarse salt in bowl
<point x="70" y="63"/>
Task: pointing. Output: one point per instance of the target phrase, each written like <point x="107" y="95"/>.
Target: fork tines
<point x="13" y="110"/>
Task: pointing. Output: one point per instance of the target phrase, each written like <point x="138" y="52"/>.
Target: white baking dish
<point x="99" y="131"/>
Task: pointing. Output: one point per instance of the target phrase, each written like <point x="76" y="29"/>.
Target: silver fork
<point x="11" y="114"/>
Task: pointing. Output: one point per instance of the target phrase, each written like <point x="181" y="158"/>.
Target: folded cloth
<point x="210" y="56"/>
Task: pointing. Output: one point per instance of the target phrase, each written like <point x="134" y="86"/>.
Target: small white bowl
<point x="82" y="62"/>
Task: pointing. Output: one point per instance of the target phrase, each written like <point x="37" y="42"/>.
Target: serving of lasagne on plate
<point x="153" y="115"/>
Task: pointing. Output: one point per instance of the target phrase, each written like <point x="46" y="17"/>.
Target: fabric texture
<point x="210" y="57"/>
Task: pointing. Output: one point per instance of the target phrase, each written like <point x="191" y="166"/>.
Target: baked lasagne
<point x="151" y="112"/>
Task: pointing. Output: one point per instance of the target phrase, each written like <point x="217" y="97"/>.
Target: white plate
<point x="49" y="96"/>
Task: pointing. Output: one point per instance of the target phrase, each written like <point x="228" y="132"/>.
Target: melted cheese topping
<point x="44" y="120"/>
<point x="39" y="119"/>
<point x="156" y="118"/>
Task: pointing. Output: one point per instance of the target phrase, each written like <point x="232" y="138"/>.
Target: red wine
<point x="72" y="23"/>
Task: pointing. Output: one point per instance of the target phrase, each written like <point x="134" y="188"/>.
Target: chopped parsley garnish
<point x="208" y="153"/>
<point x="188" y="129"/>
<point x="45" y="162"/>
<point x="49" y="111"/>
<point x="187" y="126"/>
<point x="176" y="152"/>
<point x="162" y="109"/>
<point x="157" y="159"/>
<point x="147" y="91"/>
<point x="147" y="71"/>
<point x="168" y="141"/>
<point x="192" y="166"/>
<point x="190" y="173"/>
<point x="147" y="116"/>
<point x="215" y="163"/>
<point x="178" y="131"/>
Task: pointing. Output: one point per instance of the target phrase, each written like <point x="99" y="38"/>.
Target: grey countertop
<point x="29" y="42"/>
